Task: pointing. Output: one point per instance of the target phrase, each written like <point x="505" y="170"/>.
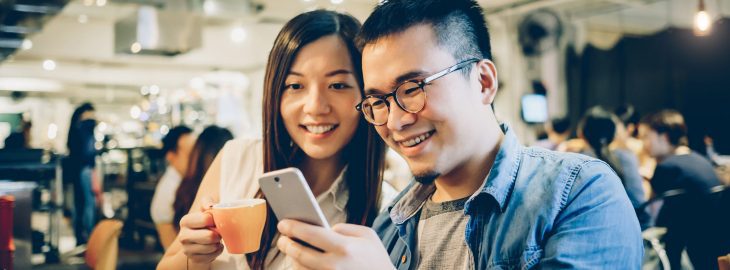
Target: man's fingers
<point x="317" y="236"/>
<point x="353" y="230"/>
<point x="305" y="257"/>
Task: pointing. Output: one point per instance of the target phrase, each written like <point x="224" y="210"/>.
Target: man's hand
<point x="346" y="246"/>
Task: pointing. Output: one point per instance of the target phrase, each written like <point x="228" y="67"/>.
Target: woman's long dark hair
<point x="73" y="142"/>
<point x="206" y="147"/>
<point x="598" y="127"/>
<point x="364" y="154"/>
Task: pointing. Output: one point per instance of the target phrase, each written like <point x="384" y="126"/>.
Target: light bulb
<point x="238" y="34"/>
<point x="49" y="65"/>
<point x="703" y="23"/>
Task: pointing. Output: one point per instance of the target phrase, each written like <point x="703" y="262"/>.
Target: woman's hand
<point x="199" y="242"/>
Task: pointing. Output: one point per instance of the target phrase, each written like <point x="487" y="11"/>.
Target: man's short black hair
<point x="459" y="25"/>
<point x="169" y="143"/>
<point x="560" y="125"/>
<point x="668" y="122"/>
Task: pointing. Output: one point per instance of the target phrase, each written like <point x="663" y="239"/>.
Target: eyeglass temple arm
<point x="449" y="70"/>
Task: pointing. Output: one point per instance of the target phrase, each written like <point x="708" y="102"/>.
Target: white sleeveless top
<point x="241" y="167"/>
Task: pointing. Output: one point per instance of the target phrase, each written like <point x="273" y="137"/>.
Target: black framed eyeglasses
<point x="410" y="96"/>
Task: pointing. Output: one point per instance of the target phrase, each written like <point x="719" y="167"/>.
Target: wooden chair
<point x="103" y="246"/>
<point x="723" y="262"/>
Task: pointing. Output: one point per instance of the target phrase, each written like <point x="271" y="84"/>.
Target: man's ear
<point x="487" y="80"/>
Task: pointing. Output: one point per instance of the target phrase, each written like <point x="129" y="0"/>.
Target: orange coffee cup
<point x="240" y="224"/>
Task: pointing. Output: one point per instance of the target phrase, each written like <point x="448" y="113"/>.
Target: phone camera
<point x="276" y="179"/>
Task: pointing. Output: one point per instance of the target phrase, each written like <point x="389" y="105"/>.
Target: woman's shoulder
<point x="243" y="143"/>
<point x="241" y="165"/>
<point x="242" y="148"/>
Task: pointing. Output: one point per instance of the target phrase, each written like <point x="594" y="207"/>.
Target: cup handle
<point x="213" y="228"/>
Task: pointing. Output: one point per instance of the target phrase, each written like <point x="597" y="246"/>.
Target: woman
<point x="313" y="82"/>
<point x="598" y="130"/>
<point x="206" y="147"/>
<point x="80" y="166"/>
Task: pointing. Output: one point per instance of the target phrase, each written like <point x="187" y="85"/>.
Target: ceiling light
<point x="136" y="47"/>
<point x="238" y="34"/>
<point x="703" y="21"/>
<point x="197" y="83"/>
<point x="154" y="89"/>
<point x="336" y="2"/>
<point x="164" y="129"/>
<point x="52" y="131"/>
<point x="210" y="7"/>
<point x="27" y="44"/>
<point x="49" y="65"/>
<point x="100" y="3"/>
<point x="135" y="112"/>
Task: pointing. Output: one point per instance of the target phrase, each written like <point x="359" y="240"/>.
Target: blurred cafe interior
<point x="136" y="70"/>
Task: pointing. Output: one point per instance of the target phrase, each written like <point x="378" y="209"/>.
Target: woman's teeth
<point x="416" y="140"/>
<point x="319" y="129"/>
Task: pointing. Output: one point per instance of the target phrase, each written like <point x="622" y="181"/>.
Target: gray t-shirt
<point x="441" y="230"/>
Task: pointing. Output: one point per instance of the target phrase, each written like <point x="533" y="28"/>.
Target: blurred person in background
<point x="688" y="217"/>
<point x="714" y="156"/>
<point x="558" y="131"/>
<point x="176" y="147"/>
<point x="312" y="83"/>
<point x="207" y="146"/>
<point x="81" y="163"/>
<point x="598" y="129"/>
<point x="627" y="137"/>
<point x="19" y="139"/>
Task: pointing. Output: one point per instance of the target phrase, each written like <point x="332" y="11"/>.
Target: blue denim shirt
<point x="536" y="209"/>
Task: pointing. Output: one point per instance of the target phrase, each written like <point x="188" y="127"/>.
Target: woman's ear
<point x="487" y="80"/>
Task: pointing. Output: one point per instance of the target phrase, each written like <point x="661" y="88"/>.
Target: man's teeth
<point x="319" y="129"/>
<point x="416" y="140"/>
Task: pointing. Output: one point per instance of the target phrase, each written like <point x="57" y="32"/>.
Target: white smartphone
<point x="289" y="196"/>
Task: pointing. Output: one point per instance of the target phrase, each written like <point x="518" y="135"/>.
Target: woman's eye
<point x="293" y="86"/>
<point x="339" y="86"/>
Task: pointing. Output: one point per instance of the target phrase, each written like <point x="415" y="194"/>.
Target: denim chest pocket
<point x="527" y="260"/>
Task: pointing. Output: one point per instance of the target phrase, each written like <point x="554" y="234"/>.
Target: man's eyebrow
<point x="410" y="75"/>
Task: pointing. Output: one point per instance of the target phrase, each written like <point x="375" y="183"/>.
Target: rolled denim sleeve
<point x="597" y="228"/>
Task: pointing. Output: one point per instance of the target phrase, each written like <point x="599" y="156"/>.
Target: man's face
<point x="655" y="144"/>
<point x="178" y="159"/>
<point x="452" y="122"/>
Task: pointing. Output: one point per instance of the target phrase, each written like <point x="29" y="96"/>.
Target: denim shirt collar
<point x="498" y="185"/>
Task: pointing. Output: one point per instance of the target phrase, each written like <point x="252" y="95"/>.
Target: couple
<point x="426" y="84"/>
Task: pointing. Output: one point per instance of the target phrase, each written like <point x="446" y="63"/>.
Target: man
<point x="558" y="131"/>
<point x="691" y="218"/>
<point x="480" y="199"/>
<point x="176" y="145"/>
